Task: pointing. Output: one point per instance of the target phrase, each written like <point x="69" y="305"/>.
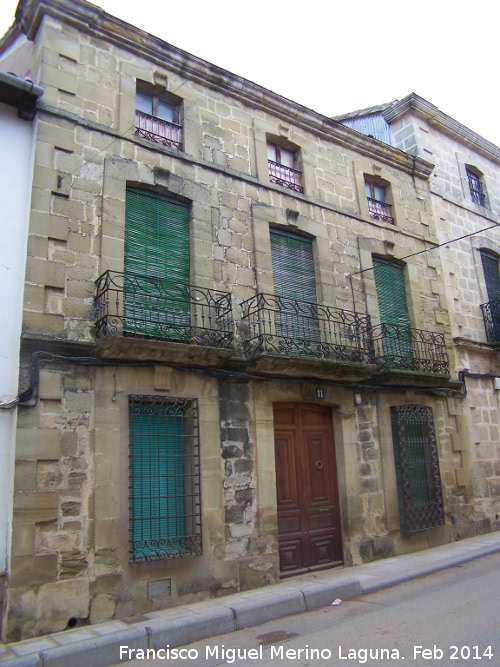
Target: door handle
<point x="319" y="465"/>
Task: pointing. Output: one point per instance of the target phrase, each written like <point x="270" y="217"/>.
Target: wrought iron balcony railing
<point x="278" y="325"/>
<point x="491" y="317"/>
<point x="285" y="176"/>
<point x="380" y="210"/>
<point x="158" y="130"/>
<point x="402" y="348"/>
<point x="139" y="306"/>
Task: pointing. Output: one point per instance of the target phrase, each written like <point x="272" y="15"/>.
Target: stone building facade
<point x="235" y="343"/>
<point x="465" y="190"/>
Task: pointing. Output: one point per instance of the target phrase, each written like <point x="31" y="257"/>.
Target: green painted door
<point x="295" y="291"/>
<point x="393" y="309"/>
<point x="156" y="266"/>
<point x="156" y="489"/>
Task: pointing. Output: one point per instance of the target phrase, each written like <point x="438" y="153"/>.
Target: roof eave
<point x="413" y="103"/>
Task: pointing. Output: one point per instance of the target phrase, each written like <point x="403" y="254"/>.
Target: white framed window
<point x="283" y="167"/>
<point x="379" y="207"/>
<point x="158" y="119"/>
<point x="476" y="186"/>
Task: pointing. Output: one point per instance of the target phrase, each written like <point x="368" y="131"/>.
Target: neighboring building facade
<point x="465" y="188"/>
<point x="240" y="370"/>
<point x="17" y="110"/>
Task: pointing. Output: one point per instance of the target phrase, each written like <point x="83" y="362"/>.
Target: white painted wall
<point x="16" y="160"/>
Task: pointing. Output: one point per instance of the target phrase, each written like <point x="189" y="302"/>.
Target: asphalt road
<point x="450" y="619"/>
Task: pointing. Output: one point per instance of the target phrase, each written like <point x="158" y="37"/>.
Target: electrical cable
<point x="40" y="357"/>
<point x="440" y="245"/>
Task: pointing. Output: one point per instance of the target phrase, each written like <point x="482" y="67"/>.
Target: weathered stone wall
<point x="246" y="539"/>
<point x="82" y="166"/>
<point x="482" y="434"/>
<point x="71" y="499"/>
<point x="457" y="216"/>
<point x="51" y="545"/>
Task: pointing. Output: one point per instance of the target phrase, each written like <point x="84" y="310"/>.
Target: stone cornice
<point x="92" y="20"/>
<point x="436" y="118"/>
<point x="476" y="345"/>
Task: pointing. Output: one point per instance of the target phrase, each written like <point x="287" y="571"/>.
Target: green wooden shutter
<point x="156" y="265"/>
<point x="294" y="281"/>
<point x="156" y="496"/>
<point x="393" y="309"/>
<point x="156" y="237"/>
<point x="491" y="275"/>
<point x="293" y="266"/>
<point x="391" y="295"/>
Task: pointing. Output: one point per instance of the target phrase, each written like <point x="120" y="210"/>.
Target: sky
<point x="335" y="57"/>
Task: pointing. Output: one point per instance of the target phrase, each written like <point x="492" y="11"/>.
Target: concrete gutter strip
<point x="99" y="645"/>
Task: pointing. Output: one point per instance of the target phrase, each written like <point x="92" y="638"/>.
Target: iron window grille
<point x="476" y="188"/>
<point x="417" y="468"/>
<point x="164" y="478"/>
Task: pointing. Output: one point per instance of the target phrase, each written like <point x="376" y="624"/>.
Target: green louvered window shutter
<point x="492" y="279"/>
<point x="156" y="490"/>
<point x="156" y="266"/>
<point x="417" y="468"/>
<point x="393" y="309"/>
<point x="294" y="281"/>
<point x="491" y="275"/>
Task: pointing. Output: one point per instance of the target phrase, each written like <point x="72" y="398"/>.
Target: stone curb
<point x="452" y="560"/>
<point x="95" y="652"/>
<point x="99" y="646"/>
<point x="161" y="632"/>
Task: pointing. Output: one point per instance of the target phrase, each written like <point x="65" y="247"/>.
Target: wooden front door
<point x="307" y="492"/>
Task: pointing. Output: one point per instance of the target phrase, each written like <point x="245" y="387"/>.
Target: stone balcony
<point x="294" y="338"/>
<point x="153" y="319"/>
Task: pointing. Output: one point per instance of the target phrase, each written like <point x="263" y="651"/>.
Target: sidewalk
<point x="99" y="645"/>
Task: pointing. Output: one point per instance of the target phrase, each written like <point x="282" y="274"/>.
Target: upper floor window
<point x="476" y="187"/>
<point x="378" y="206"/>
<point x="491" y="309"/>
<point x="158" y="119"/>
<point x="283" y="167"/>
